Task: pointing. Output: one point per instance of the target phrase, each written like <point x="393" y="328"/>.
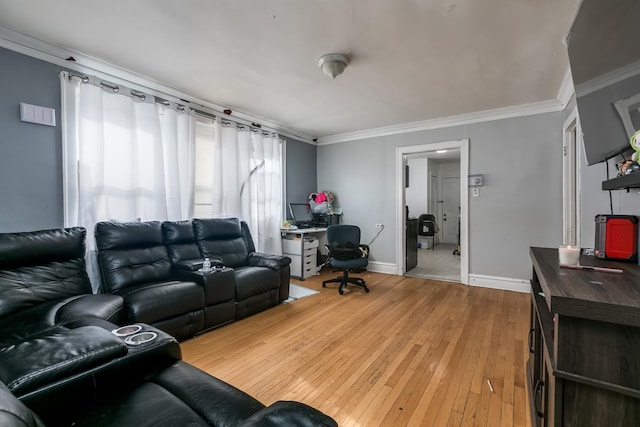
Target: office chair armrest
<point x="274" y="262"/>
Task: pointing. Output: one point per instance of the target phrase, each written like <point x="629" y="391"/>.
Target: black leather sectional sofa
<point x="154" y="266"/>
<point x="62" y="364"/>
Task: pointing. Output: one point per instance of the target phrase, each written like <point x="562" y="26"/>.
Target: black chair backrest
<point x="427" y="217"/>
<point x="343" y="233"/>
<point x="426" y="225"/>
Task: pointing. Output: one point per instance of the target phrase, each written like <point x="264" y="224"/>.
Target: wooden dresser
<point x="584" y="342"/>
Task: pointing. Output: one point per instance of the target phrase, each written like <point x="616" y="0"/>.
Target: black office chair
<point x="427" y="227"/>
<point x="339" y="239"/>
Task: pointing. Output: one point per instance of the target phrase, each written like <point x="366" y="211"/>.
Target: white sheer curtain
<point x="240" y="169"/>
<point x="125" y="157"/>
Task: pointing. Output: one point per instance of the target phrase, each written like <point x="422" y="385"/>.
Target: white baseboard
<point x="503" y="283"/>
<point x="480" y="280"/>
<point x="382" y="267"/>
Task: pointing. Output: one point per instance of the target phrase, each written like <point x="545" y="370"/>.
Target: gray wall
<point x="301" y="172"/>
<point x="519" y="206"/>
<point x="30" y="154"/>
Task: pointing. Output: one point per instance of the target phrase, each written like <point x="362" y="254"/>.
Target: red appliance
<point x="617" y="237"/>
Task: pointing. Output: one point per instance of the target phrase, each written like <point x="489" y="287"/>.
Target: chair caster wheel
<point x="324" y="285"/>
<point x="341" y="291"/>
<point x="366" y="289"/>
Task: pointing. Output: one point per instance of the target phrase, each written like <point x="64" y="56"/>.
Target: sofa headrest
<point x="41" y="247"/>
<point x="178" y="232"/>
<point x="127" y="235"/>
<point x="217" y="228"/>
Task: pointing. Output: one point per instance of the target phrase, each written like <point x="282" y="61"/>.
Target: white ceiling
<point x="411" y="60"/>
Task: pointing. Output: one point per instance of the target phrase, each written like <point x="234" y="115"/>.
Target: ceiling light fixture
<point x="441" y="151"/>
<point x="333" y="64"/>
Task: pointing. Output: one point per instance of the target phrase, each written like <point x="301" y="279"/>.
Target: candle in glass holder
<point x="569" y="255"/>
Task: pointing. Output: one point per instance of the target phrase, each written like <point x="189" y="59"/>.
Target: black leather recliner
<point x="90" y="377"/>
<point x="219" y="285"/>
<point x="176" y="395"/>
<point x="262" y="280"/>
<point x="134" y="263"/>
<point x="154" y="267"/>
<point x="44" y="285"/>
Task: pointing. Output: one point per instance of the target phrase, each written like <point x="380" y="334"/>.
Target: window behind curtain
<point x="239" y="173"/>
<point x="126" y="157"/>
<point x="203" y="189"/>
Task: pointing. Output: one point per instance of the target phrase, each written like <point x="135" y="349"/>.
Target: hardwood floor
<point x="412" y="352"/>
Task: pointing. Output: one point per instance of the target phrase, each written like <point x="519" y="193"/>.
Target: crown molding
<point x="566" y="90"/>
<point x="462" y="119"/>
<point x="48" y="52"/>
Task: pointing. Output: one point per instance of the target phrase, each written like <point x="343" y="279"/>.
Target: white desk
<point x="301" y="246"/>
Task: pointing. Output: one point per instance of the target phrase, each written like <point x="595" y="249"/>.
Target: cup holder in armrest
<point x="135" y="335"/>
<point x="140" y="338"/>
<point x="124" y="331"/>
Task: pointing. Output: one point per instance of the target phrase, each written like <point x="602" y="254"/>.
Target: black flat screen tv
<point x="604" y="55"/>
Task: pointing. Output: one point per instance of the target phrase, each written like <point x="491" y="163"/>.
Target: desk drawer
<point x="310" y="243"/>
<point x="294" y="246"/>
<point x="304" y="267"/>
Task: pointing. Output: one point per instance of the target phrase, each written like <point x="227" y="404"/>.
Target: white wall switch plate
<point x="36" y="114"/>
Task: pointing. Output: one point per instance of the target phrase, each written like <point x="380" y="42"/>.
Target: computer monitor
<point x="301" y="214"/>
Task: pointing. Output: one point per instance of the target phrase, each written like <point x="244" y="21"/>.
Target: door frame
<point x="401" y="220"/>
<point x="571" y="157"/>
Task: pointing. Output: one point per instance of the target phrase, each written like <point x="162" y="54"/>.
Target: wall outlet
<point x="475" y="192"/>
<point x="379" y="225"/>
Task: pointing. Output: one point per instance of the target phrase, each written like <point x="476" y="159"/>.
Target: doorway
<point x="434" y="176"/>
<point x="454" y="228"/>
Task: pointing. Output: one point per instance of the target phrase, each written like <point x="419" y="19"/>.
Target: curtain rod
<point x="116" y="89"/>
<point x="198" y="109"/>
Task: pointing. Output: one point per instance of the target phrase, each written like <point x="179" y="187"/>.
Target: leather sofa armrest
<point x="219" y="284"/>
<point x="39" y="361"/>
<point x="274" y="262"/>
<point x="187" y="265"/>
<point x="288" y="413"/>
<point x="108" y="307"/>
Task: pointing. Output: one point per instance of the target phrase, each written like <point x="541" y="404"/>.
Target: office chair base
<point x="344" y="280"/>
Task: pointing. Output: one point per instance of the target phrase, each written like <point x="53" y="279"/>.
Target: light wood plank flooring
<point x="412" y="352"/>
